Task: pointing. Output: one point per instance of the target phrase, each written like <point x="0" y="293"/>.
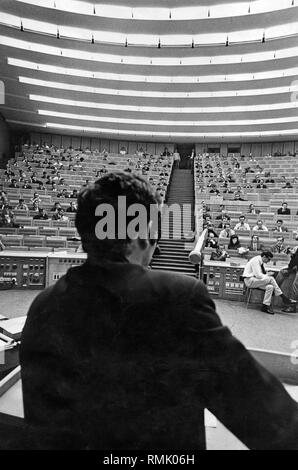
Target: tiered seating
<point x="73" y="169"/>
<point x="235" y="184"/>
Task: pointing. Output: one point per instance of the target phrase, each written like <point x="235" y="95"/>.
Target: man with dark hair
<point x="118" y="356"/>
<point x="284" y="210"/>
<point x="256" y="277"/>
<point x="285" y="273"/>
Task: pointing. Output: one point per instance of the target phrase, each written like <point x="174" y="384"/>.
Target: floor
<point x="254" y="328"/>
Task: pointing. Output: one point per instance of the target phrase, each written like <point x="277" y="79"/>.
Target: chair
<point x="248" y="291"/>
<point x="8" y="231"/>
<point x="42" y="223"/>
<point x="31" y="241"/>
<point x="68" y="232"/>
<point x="60" y="223"/>
<point x="24" y="220"/>
<point x="56" y="242"/>
<point x="28" y="231"/>
<point x="48" y="231"/>
<point x="12" y="240"/>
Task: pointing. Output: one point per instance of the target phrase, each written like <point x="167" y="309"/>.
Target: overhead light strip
<point x="149" y="40"/>
<point x="159" y="122"/>
<point x="154" y="61"/>
<point x="164" y="14"/>
<point x="96" y="130"/>
<point x="268" y="75"/>
<point x="160" y="94"/>
<point x="160" y="109"/>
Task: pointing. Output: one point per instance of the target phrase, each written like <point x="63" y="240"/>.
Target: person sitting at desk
<point x="284" y="210"/>
<point x="21" y="205"/>
<point x="255" y="244"/>
<point x="260" y="227"/>
<point x="219" y="254"/>
<point x="234" y="243"/>
<point x="42" y="215"/>
<point x="279" y="246"/>
<point x="284" y="274"/>
<point x="280" y="227"/>
<point x="227" y="232"/>
<point x="253" y="210"/>
<point x="242" y="225"/>
<point x="256" y="277"/>
<point x="211" y="241"/>
<point x="262" y="185"/>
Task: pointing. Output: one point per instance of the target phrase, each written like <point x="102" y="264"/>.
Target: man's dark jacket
<point x="121" y="357"/>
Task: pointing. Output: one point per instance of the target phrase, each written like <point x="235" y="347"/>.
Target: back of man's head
<point x="267" y="254"/>
<point x="100" y="201"/>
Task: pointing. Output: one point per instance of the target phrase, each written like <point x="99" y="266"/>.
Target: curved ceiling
<point x="219" y="70"/>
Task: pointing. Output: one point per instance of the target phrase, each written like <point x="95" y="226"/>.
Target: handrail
<point x="195" y="257"/>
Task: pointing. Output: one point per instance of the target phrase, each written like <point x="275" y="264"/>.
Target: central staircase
<point x="176" y="248"/>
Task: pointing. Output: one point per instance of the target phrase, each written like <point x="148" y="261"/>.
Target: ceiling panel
<point x="244" y="91"/>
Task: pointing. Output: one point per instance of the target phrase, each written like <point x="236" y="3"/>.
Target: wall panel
<point x="256" y="150"/>
<point x="56" y="140"/>
<point x="289" y="147"/>
<point x="66" y="141"/>
<point x="76" y="142"/>
<point x="114" y="146"/>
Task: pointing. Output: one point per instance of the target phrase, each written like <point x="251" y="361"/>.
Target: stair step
<point x="177" y="270"/>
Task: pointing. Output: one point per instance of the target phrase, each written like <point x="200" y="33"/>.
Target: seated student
<point x="269" y="178"/>
<point x="211" y="241"/>
<point x="260" y="227"/>
<point x="238" y="197"/>
<point x="284" y="210"/>
<point x="280" y="227"/>
<point x="13" y="184"/>
<point x="256" y="277"/>
<point x="227" y="232"/>
<point x="59" y="215"/>
<point x="21" y="205"/>
<point x="220" y="254"/>
<point x="242" y="225"/>
<point x="42" y="215"/>
<point x="56" y="206"/>
<point x="255" y="244"/>
<point x="72" y="207"/>
<point x="26" y="185"/>
<point x="252" y="209"/>
<point x="223" y="213"/>
<point x="234" y="243"/>
<point x="287" y="185"/>
<point x="7" y="218"/>
<point x="279" y="246"/>
<point x="284" y="273"/>
<point x="262" y="185"/>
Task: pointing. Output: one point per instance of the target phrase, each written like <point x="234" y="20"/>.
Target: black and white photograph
<point x="148" y="228"/>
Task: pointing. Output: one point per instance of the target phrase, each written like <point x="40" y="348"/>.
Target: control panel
<point x="223" y="280"/>
<point x="58" y="265"/>
<point x="22" y="272"/>
<point x="233" y="284"/>
<point x="212" y="277"/>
